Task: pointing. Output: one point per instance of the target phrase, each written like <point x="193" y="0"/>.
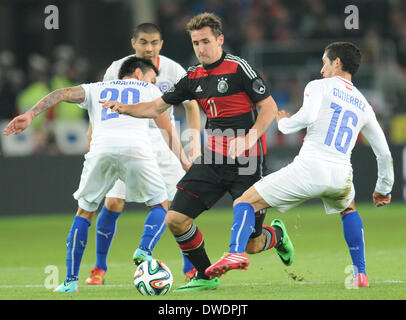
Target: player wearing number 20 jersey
<point x="170" y="167"/>
<point x="111" y="129"/>
<point x="126" y="139"/>
<point x="120" y="148"/>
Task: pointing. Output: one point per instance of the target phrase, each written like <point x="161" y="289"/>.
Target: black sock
<point x="192" y="245"/>
<point x="200" y="260"/>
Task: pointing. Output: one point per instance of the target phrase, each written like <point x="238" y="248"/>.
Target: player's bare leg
<point x="256" y="244"/>
<point x="114" y="204"/>
<point x="85" y="214"/>
<point x="178" y="222"/>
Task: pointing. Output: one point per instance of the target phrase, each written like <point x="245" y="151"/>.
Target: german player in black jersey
<point x="239" y="108"/>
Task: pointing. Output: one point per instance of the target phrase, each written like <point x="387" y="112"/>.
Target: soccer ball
<point x="153" y="278"/>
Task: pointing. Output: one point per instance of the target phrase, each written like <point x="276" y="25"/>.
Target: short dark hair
<point x="131" y="64"/>
<point x="349" y="54"/>
<point x="205" y="19"/>
<point x="146" y="28"/>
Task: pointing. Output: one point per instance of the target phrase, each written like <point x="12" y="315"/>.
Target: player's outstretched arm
<point x="150" y="109"/>
<point x="21" y="122"/>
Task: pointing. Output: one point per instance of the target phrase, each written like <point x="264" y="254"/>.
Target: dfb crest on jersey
<point x="222" y="86"/>
<point x="164" y="86"/>
<point x="258" y="86"/>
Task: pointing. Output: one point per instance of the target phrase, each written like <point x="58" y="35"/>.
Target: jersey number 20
<point x="344" y="130"/>
<point x="114" y="95"/>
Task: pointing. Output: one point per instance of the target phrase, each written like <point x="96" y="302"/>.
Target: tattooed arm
<point x="21" y="122"/>
<point x="72" y="94"/>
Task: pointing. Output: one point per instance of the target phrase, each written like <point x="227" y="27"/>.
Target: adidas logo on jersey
<point x="199" y="89"/>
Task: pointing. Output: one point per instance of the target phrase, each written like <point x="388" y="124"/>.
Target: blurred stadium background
<point x="283" y="40"/>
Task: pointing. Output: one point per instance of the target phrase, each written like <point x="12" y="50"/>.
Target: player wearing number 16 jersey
<point x="334" y="112"/>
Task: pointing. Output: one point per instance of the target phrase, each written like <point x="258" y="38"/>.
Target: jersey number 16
<point x="344" y="130"/>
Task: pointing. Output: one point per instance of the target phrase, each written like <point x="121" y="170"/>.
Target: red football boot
<point x="96" y="277"/>
<point x="190" y="274"/>
<point x="229" y="261"/>
<point x="361" y="281"/>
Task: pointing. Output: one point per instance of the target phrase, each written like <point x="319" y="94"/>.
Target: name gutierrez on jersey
<point x="349" y="99"/>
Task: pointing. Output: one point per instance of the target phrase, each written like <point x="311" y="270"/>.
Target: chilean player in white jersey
<point x="334" y="112"/>
<point x="120" y="149"/>
<point x="147" y="43"/>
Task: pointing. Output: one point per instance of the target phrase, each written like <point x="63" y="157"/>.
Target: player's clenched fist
<point x="282" y="114"/>
<point x="381" y="199"/>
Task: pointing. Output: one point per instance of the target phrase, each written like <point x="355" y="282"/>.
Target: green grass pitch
<point x="29" y="244"/>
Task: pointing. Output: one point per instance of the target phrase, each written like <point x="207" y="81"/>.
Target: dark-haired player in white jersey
<point x="334" y="112"/>
<point x="147" y="43"/>
<point x="120" y="149"/>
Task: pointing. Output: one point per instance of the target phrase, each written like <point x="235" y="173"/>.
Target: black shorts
<point x="204" y="184"/>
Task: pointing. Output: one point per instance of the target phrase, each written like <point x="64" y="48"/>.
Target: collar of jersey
<point x="345" y="80"/>
<point x="215" y="64"/>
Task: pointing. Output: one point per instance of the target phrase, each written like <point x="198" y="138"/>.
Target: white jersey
<point x="334" y="113"/>
<point x="170" y="72"/>
<point x="169" y="166"/>
<point x="111" y="129"/>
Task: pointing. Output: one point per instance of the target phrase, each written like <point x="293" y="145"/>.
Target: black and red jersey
<point x="227" y="91"/>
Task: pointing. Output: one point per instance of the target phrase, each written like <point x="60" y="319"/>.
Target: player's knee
<point x="177" y="223"/>
<point x="114" y="204"/>
<point x="163" y="205"/>
<point x="238" y="200"/>
<point x="85" y="214"/>
<point x="246" y="197"/>
<point x="348" y="210"/>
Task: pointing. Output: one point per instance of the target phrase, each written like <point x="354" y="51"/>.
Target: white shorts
<point x="101" y="171"/>
<point x="169" y="166"/>
<point x="308" y="179"/>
